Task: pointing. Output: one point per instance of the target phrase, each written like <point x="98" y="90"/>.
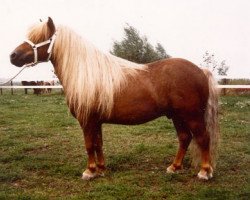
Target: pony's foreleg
<point x="93" y="144"/>
<point x="184" y="137"/>
<point x="99" y="154"/>
<point x="90" y="172"/>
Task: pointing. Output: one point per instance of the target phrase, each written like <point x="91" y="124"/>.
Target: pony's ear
<point x="51" y="26"/>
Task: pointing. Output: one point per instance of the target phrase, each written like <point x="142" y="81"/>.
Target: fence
<point x="32" y="87"/>
<point x="29" y="87"/>
<point x="226" y="86"/>
<point x="223" y="86"/>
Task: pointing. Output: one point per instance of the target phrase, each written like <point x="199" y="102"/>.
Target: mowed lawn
<point x="42" y="155"/>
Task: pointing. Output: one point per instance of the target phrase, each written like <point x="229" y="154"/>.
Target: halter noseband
<point x="50" y="41"/>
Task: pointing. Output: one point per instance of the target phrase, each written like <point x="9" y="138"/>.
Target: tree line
<point x="137" y="48"/>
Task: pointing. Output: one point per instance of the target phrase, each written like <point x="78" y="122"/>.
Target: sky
<point x="186" y="28"/>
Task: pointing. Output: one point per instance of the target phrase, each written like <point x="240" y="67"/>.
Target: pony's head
<point x="38" y="46"/>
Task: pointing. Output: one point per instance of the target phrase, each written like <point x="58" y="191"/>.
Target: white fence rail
<point x="60" y="87"/>
<point x="232" y="86"/>
<point x="231" y="77"/>
<point x="32" y="87"/>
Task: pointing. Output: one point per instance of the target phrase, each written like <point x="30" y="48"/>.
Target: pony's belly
<point x="131" y="120"/>
<point x="134" y="115"/>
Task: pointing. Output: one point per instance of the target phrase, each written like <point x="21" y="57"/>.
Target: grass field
<point x="42" y="155"/>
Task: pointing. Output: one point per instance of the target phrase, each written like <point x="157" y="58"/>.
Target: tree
<point x="135" y="48"/>
<point x="161" y="51"/>
<point x="210" y="62"/>
<point x="223" y="68"/>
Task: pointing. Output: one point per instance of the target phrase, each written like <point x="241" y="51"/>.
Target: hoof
<point x="172" y="169"/>
<point x="88" y="175"/>
<point x="205" y="175"/>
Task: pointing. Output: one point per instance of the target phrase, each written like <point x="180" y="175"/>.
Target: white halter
<point x="50" y="41"/>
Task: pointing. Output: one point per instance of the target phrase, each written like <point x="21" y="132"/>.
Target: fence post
<point x="12" y="92"/>
<point x="1" y="91"/>
<point x="224" y="82"/>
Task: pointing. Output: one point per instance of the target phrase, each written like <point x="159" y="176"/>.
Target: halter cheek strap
<point x="50" y="41"/>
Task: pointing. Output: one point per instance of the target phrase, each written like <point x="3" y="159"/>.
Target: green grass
<point x="42" y="155"/>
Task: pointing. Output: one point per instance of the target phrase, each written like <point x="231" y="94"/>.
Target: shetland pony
<point x="48" y="83"/>
<point x="101" y="88"/>
<point x="37" y="91"/>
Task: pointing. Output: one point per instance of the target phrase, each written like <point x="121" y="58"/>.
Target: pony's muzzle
<point x="13" y="55"/>
<point x="18" y="58"/>
<point x="15" y="58"/>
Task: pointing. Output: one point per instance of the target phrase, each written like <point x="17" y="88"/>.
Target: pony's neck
<point x="56" y="68"/>
<point x="74" y="54"/>
<point x="90" y="78"/>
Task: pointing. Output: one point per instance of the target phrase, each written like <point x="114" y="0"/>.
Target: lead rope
<point x="3" y="83"/>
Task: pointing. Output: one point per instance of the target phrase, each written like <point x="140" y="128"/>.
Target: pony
<point x="101" y="88"/>
<point x="32" y="83"/>
<point x="50" y="83"/>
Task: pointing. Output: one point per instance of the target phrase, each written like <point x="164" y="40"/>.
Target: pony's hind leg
<point x="202" y="140"/>
<point x="184" y="137"/>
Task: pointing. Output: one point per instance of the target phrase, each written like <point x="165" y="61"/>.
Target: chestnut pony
<point x="101" y="88"/>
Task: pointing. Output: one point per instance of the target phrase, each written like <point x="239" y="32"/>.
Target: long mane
<point x="89" y="77"/>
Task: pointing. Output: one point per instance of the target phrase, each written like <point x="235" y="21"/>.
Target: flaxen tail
<point x="211" y="116"/>
<point x="211" y="120"/>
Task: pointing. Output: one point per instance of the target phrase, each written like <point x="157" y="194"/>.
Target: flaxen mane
<point x="90" y="78"/>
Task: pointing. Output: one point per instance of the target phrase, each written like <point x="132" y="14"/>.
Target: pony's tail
<point x="211" y="116"/>
<point x="211" y="120"/>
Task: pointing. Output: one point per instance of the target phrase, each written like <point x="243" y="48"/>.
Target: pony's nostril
<point x="13" y="55"/>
